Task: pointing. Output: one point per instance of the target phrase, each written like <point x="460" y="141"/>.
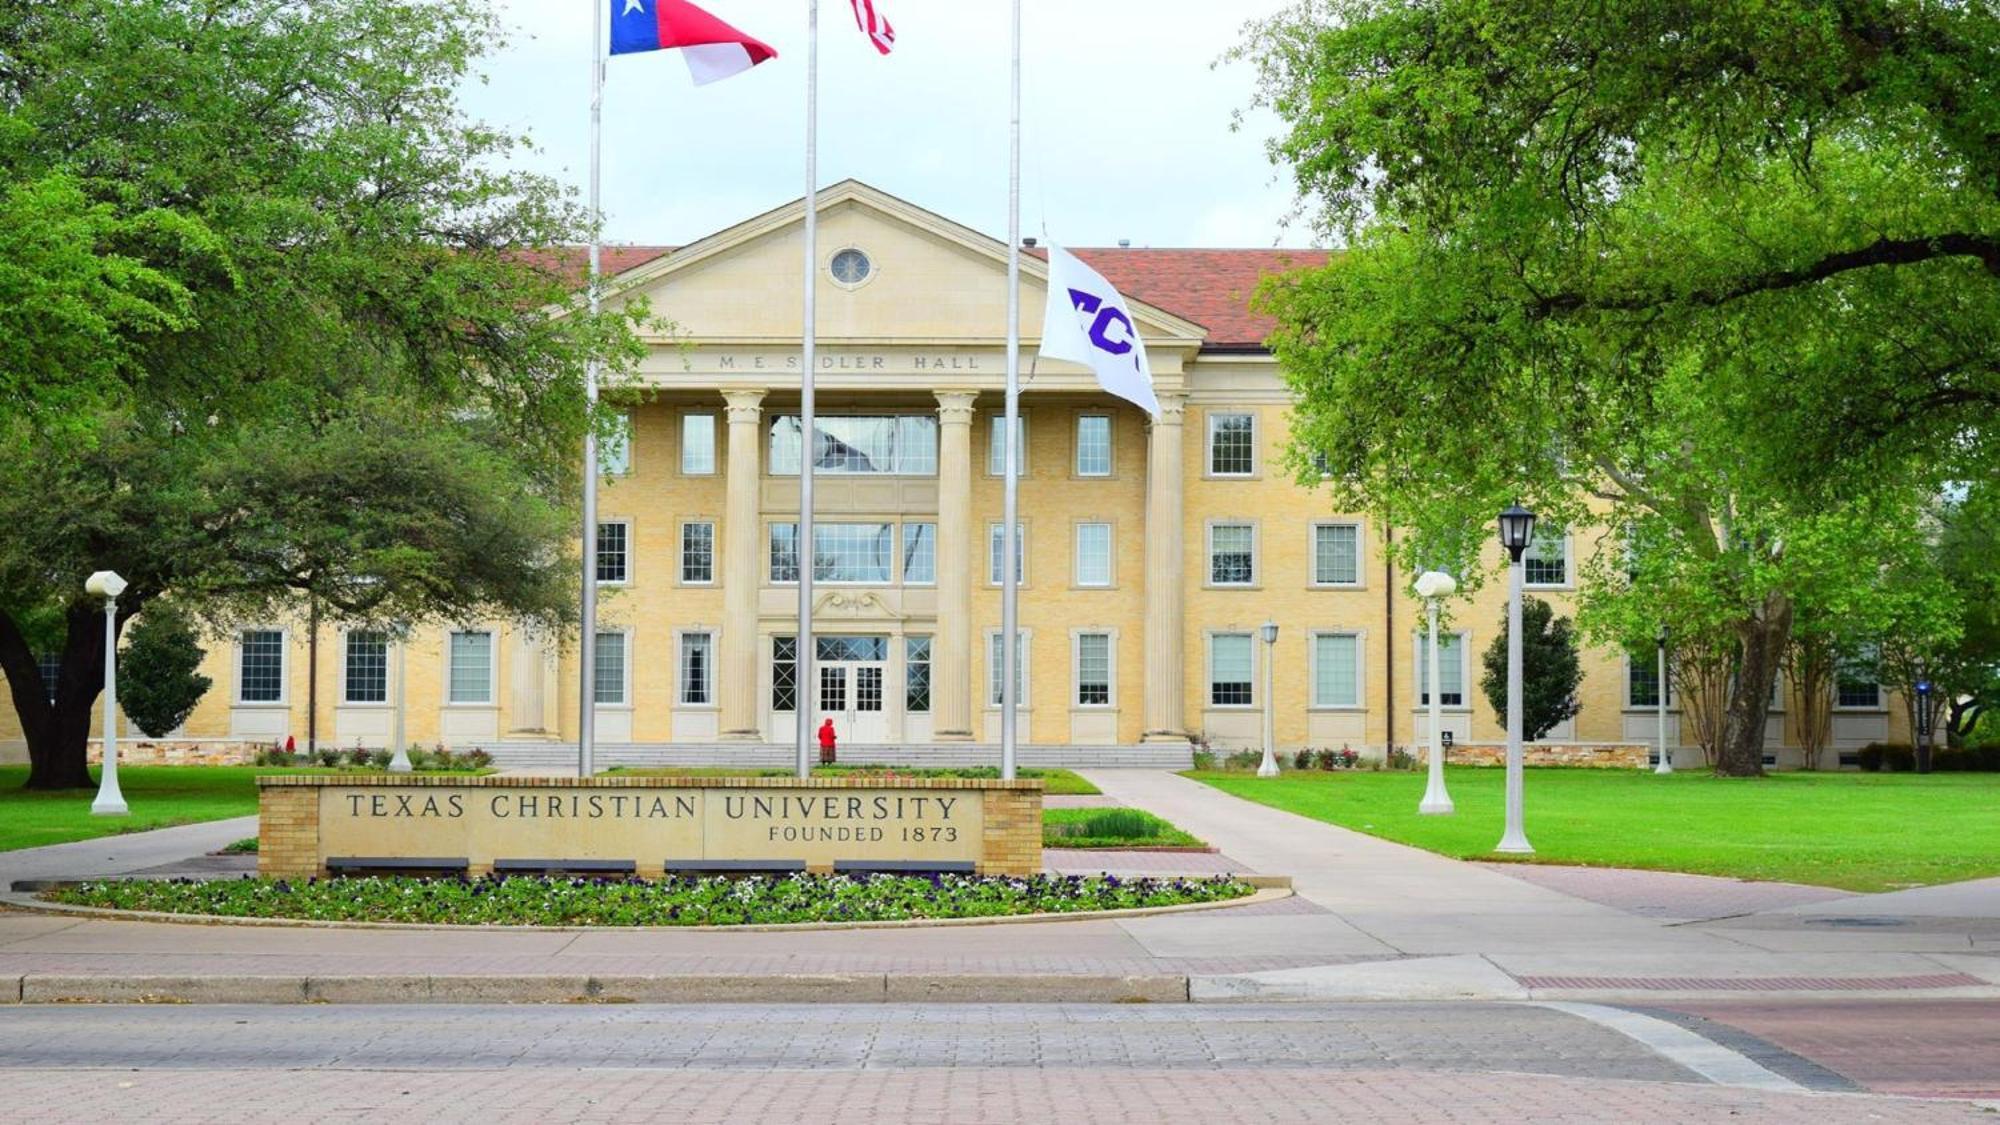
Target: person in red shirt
<point x="827" y="739"/>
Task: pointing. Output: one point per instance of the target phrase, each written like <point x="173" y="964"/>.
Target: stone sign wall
<point x="305" y="820"/>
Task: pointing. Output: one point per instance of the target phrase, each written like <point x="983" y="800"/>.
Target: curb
<point x="787" y="988"/>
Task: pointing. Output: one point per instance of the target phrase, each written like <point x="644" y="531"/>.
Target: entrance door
<point x="853" y="674"/>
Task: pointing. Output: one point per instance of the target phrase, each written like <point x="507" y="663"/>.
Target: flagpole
<point x="1009" y="530"/>
<point x="803" y="647"/>
<point x="586" y="698"/>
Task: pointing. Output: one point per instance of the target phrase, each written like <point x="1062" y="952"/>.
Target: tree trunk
<point x="1762" y="640"/>
<point x="58" y="735"/>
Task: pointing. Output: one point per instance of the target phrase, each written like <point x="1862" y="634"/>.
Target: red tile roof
<point x="1210" y="287"/>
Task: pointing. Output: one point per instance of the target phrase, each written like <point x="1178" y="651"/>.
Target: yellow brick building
<point x="1154" y="549"/>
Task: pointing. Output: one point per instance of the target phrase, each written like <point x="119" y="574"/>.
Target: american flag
<point x="874" y="25"/>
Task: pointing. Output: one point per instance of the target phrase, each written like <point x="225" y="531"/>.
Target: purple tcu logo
<point x="1107" y="315"/>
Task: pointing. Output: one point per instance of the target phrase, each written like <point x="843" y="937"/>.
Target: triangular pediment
<point x="930" y="280"/>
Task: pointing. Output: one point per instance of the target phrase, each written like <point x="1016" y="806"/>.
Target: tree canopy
<point x="280" y="337"/>
<point x="1719" y="281"/>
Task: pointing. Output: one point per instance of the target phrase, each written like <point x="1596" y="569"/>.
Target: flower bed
<point x="528" y="901"/>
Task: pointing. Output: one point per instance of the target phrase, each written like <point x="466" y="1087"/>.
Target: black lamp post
<point x="1517" y="530"/>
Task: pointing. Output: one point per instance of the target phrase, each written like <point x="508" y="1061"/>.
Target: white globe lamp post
<point x="110" y="801"/>
<point x="1666" y="762"/>
<point x="1517" y="530"/>
<point x="1269" y="766"/>
<point x="1433" y="585"/>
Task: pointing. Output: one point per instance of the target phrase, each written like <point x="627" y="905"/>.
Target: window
<point x="261" y="672"/>
<point x="367" y="668"/>
<point x="994" y="546"/>
<point x="1336" y="554"/>
<point x="612" y="557"/>
<point x="855" y="444"/>
<point x="1093" y="554"/>
<point x="1093" y="669"/>
<point x="1546" y="561"/>
<point x="1232" y="554"/>
<point x="842" y="552"/>
<point x="919" y="554"/>
<point x="609" y="689"/>
<point x="784" y="674"/>
<point x="1336" y="670"/>
<point x="696" y="669"/>
<point x="1093" y="445"/>
<point x="1230" y="672"/>
<point x="1232" y="445"/>
<point x="1451" y="670"/>
<point x="614" y="453"/>
<point x="995" y="452"/>
<point x="50" y="666"/>
<point x="865" y="648"/>
<point x="994" y="663"/>
<point x="470" y="674"/>
<point x="1642" y="680"/>
<point x="1857" y="684"/>
<point x="850" y="267"/>
<point x="697" y="445"/>
<point x="698" y="552"/>
<point x="917" y="674"/>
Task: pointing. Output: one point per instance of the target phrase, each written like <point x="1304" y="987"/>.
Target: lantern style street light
<point x="1666" y="763"/>
<point x="110" y="801"/>
<point x="1517" y="530"/>
<point x="1433" y="585"/>
<point x="1269" y="766"/>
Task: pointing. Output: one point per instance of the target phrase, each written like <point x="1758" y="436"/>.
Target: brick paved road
<point x="1939" y="1048"/>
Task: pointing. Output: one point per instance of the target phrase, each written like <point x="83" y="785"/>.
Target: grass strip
<point x="536" y="901"/>
<point x="1055" y="782"/>
<point x="1111" y="828"/>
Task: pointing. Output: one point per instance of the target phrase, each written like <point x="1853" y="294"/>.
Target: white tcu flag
<point x="1087" y="322"/>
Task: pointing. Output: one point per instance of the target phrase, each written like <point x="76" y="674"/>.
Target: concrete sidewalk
<point x="1371" y="920"/>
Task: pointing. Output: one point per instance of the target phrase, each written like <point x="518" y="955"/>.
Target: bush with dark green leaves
<point x="1550" y="671"/>
<point x="159" y="678"/>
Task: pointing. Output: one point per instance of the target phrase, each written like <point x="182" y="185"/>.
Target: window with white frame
<point x="1093" y="445"/>
<point x="1336" y="670"/>
<point x="1232" y="554"/>
<point x="610" y="662"/>
<point x="1232" y="445"/>
<point x="919" y="554"/>
<point x="1336" y="559"/>
<point x="1642" y="680"/>
<point x="469" y="673"/>
<point x="698" y="445"/>
<point x="996" y="453"/>
<point x="613" y="553"/>
<point x="995" y="662"/>
<point x="1451" y="669"/>
<point x="784" y="674"/>
<point x="917" y="675"/>
<point x="1093" y="669"/>
<point x="614" y="453"/>
<point x="1231" y="670"/>
<point x="1546" y="561"/>
<point x="1857" y="683"/>
<point x="698" y="552"/>
<point x="367" y="679"/>
<point x="1093" y="554"/>
<point x="994" y="547"/>
<point x="260" y="669"/>
<point x="842" y="552"/>
<point x="49" y="664"/>
<point x="697" y="669"/>
<point x="858" y="445"/>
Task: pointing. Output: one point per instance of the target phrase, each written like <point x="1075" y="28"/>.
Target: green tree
<point x="159" y="677"/>
<point x="1550" y="671"/>
<point x="303" y="352"/>
<point x="1720" y="278"/>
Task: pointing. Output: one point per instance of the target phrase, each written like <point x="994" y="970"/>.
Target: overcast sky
<point x="1126" y="122"/>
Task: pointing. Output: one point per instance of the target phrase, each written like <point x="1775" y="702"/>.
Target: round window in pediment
<point x="851" y="267"/>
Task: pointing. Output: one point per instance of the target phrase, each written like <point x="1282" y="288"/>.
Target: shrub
<point x="328" y="756"/>
<point x="1243" y="760"/>
<point x="380" y="759"/>
<point x="1204" y="759"/>
<point x="476" y="758"/>
<point x="159" y="678"/>
<point x="1401" y="759"/>
<point x="1303" y="760"/>
<point x="275" y="755"/>
<point x="359" y="757"/>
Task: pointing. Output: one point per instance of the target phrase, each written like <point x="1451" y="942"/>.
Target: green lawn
<point x="159" y="797"/>
<point x="1861" y="832"/>
<point x="1111" y="828"/>
<point x="1054" y="782"/>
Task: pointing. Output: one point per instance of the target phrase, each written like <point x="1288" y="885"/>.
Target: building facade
<point x="1152" y="549"/>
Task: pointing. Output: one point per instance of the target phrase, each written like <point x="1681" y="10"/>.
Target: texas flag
<point x="713" y="49"/>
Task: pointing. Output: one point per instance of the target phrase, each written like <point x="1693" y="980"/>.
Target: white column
<point x="951" y="646"/>
<point x="736" y="689"/>
<point x="1166" y="595"/>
